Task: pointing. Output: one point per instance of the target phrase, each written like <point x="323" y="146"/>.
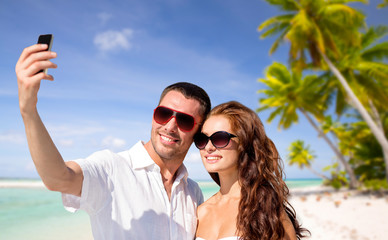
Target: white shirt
<point x="125" y="198"/>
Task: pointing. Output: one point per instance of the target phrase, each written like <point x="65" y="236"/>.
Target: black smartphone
<point x="46" y="39"/>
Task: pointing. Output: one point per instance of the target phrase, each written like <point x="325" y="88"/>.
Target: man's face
<point x="168" y="141"/>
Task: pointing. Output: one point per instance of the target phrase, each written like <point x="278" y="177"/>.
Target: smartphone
<point x="46" y="39"/>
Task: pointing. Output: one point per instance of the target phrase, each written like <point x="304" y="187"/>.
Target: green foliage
<point x="364" y="68"/>
<point x="337" y="177"/>
<point x="383" y="4"/>
<point x="358" y="143"/>
<point x="367" y="157"/>
<point x="331" y="28"/>
<point x="376" y="184"/>
<point x="313" y="26"/>
<point x="371" y="48"/>
<point x="287" y="91"/>
<point x="300" y="154"/>
<point x="285" y="5"/>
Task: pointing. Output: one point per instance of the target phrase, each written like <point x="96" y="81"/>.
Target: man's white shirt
<point x="124" y="195"/>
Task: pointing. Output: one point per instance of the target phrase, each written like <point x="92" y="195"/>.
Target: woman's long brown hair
<point x="263" y="191"/>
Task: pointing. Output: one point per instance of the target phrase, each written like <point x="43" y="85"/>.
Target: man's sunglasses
<point x="219" y="139"/>
<point x="163" y="115"/>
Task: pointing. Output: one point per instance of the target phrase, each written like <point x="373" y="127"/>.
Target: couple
<point x="145" y="192"/>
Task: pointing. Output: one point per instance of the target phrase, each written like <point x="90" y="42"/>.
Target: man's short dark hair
<point x="192" y="91"/>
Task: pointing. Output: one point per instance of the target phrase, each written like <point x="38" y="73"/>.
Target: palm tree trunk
<point x="376" y="116"/>
<point x="353" y="180"/>
<point x="317" y="173"/>
<point x="380" y="135"/>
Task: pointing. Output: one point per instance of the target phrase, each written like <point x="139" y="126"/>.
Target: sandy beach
<point x="344" y="214"/>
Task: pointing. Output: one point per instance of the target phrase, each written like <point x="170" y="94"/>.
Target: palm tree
<point x="288" y="92"/>
<point x="367" y="160"/>
<point x="363" y="66"/>
<point x="357" y="142"/>
<point x="302" y="156"/>
<point x="316" y="27"/>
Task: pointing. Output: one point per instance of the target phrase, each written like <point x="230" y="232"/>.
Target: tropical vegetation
<point x="336" y="62"/>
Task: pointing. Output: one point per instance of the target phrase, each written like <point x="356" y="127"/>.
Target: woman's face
<point x="219" y="159"/>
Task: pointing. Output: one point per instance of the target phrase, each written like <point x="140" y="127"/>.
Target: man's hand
<point x="31" y="61"/>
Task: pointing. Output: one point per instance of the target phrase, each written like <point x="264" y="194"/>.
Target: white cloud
<point x="193" y="157"/>
<point x="73" y="130"/>
<point x="15" y="138"/>
<point x="30" y="166"/>
<point x="113" y="142"/>
<point x="66" y="143"/>
<point x="104" y="17"/>
<point x="114" y="40"/>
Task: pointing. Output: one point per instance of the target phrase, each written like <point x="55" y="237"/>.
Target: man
<point x="142" y="193"/>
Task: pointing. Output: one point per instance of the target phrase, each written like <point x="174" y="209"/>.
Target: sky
<point x="115" y="58"/>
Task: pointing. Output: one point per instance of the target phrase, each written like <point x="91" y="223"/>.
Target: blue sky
<point x="115" y="58"/>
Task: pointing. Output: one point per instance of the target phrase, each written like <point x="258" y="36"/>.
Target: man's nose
<point x="172" y="125"/>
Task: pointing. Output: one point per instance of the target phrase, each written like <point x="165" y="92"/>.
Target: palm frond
<point x="348" y="1"/>
<point x="342" y="14"/>
<point x="275" y="30"/>
<point x="276" y="44"/>
<point x="274" y="114"/>
<point x="383" y="4"/>
<point x="373" y="91"/>
<point x="289" y="116"/>
<point x="372" y="35"/>
<point x="302" y="22"/>
<point x="285" y="5"/>
<point x="341" y="104"/>
<point x="279" y="72"/>
<point x="341" y="21"/>
<point x="373" y="69"/>
<point x="273" y="22"/>
<point x="262" y="108"/>
<point x="300" y="154"/>
<point x="330" y="43"/>
<point x="377" y="52"/>
<point x="318" y="41"/>
<point x="327" y="90"/>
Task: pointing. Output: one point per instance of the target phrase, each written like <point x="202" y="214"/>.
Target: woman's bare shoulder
<point x="288" y="227"/>
<point x="207" y="206"/>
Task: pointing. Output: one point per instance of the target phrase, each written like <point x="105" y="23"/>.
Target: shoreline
<point x="13" y="183"/>
<point x="37" y="183"/>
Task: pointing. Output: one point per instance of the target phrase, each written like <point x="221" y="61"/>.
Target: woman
<point x="252" y="200"/>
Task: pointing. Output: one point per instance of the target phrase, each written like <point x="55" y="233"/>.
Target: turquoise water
<point x="209" y="187"/>
<point x="303" y="183"/>
<point x="36" y="213"/>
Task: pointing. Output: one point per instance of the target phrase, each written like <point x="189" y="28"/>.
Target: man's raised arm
<point x="55" y="173"/>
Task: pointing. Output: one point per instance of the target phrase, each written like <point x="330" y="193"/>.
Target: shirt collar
<point x="143" y="160"/>
<point x="182" y="173"/>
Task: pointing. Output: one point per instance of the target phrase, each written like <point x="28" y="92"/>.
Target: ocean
<point x="38" y="214"/>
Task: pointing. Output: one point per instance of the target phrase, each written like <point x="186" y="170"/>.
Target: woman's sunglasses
<point x="219" y="139"/>
<point x="163" y="115"/>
